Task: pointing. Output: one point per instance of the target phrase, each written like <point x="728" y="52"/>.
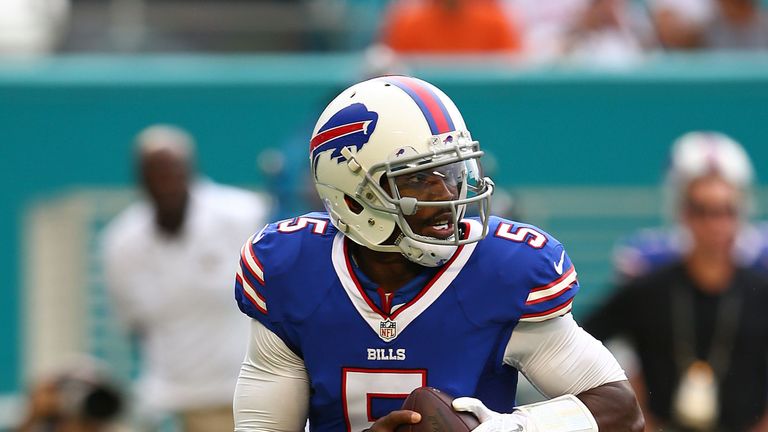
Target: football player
<point x="407" y="281"/>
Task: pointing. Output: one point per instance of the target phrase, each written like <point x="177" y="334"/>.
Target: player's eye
<point x="413" y="179"/>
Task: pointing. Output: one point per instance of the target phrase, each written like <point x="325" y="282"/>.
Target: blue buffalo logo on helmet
<point x="350" y="127"/>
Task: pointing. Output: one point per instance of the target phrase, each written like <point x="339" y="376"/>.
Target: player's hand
<point x="389" y="422"/>
<point x="491" y="421"/>
<point x="44" y="400"/>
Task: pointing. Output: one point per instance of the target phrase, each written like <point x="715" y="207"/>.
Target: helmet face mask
<point x="392" y="180"/>
<point x="445" y="181"/>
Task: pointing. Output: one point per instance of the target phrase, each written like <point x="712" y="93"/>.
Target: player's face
<point x="711" y="213"/>
<point x="436" y="184"/>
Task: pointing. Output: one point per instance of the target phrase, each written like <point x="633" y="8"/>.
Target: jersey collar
<point x="389" y="326"/>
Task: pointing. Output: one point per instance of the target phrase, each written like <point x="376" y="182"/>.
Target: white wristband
<point x="562" y="414"/>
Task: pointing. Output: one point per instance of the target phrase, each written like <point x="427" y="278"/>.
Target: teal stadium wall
<point x="67" y="124"/>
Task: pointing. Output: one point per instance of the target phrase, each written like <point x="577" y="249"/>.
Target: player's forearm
<point x="614" y="407"/>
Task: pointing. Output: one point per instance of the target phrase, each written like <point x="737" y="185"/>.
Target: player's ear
<point x="384" y="183"/>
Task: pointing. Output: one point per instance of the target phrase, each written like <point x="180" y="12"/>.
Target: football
<point x="437" y="414"/>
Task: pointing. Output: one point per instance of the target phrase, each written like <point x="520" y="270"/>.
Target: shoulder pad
<point x="531" y="272"/>
<point x="271" y="282"/>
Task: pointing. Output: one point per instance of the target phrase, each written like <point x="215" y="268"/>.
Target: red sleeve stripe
<point x="252" y="294"/>
<point x="251" y="263"/>
<point x="549" y="313"/>
<point x="553" y="290"/>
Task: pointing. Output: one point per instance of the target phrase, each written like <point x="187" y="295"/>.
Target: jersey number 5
<point x="297" y="224"/>
<point x="360" y="387"/>
<point x="526" y="235"/>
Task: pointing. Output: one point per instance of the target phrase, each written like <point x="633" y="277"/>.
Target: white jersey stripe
<point x="253" y="266"/>
<point x="553" y="291"/>
<point x="252" y="294"/>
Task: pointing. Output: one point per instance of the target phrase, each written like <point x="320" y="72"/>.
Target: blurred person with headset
<point x="168" y="266"/>
<point x="695" y="317"/>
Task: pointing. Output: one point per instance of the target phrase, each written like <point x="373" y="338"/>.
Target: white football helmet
<point x="376" y="153"/>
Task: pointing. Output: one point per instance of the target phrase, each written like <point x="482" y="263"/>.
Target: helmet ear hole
<point x="354" y="206"/>
<point x="384" y="183"/>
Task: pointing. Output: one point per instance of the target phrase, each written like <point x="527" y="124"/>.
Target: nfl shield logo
<point x="388" y="330"/>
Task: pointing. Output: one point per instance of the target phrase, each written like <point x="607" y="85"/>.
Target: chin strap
<point x="425" y="254"/>
<point x="562" y="414"/>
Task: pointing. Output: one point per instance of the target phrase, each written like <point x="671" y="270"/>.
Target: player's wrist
<point x="562" y="414"/>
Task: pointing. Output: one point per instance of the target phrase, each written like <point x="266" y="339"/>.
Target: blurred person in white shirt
<point x="168" y="262"/>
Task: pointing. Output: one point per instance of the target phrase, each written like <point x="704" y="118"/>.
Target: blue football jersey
<point x="296" y="277"/>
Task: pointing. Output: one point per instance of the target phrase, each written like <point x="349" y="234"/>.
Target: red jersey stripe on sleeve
<point x="549" y="313"/>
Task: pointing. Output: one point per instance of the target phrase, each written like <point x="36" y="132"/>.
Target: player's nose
<point x="438" y="189"/>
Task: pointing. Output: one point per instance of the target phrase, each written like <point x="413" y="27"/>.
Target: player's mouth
<point x="439" y="226"/>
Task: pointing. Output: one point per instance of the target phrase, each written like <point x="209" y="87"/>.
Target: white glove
<point x="491" y="421"/>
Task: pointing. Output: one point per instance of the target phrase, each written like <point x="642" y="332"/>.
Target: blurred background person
<point x="697" y="322"/>
<point x="608" y="33"/>
<point x="710" y="24"/>
<point x="652" y="248"/>
<point x="738" y="25"/>
<point x="168" y="261"/>
<point x="600" y="32"/>
<point x="449" y="27"/>
<point x="545" y="26"/>
<point x="680" y="24"/>
<point x="79" y="397"/>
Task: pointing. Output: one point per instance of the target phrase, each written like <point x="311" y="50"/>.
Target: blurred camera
<point x="88" y="399"/>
